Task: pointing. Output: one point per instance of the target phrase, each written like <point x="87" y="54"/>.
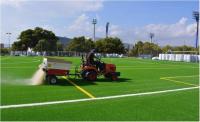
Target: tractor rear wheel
<point x="91" y="75"/>
<point x="107" y="76"/>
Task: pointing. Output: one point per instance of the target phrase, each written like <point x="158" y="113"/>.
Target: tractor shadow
<point x="109" y="80"/>
<point x="81" y="82"/>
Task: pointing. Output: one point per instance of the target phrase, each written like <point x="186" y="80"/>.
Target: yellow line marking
<point x="182" y="76"/>
<point x="80" y="89"/>
<point x="167" y="78"/>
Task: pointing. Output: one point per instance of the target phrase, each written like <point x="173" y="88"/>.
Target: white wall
<point x="180" y="57"/>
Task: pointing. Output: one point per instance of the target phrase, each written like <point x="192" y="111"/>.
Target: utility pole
<point x="107" y="26"/>
<point x="196" y="17"/>
<point x="94" y="22"/>
<point x="9" y="35"/>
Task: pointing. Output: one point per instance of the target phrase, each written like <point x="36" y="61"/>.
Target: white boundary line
<point x="92" y="99"/>
<point x="28" y="62"/>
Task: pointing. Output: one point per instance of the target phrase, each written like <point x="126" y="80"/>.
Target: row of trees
<point x="169" y="48"/>
<point x="154" y="49"/>
<point x="105" y="45"/>
<point x="40" y="39"/>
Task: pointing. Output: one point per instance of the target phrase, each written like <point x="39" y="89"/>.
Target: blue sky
<point x="171" y="21"/>
<point x="142" y="13"/>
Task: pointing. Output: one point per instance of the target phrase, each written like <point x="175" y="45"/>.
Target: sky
<point x="171" y="21"/>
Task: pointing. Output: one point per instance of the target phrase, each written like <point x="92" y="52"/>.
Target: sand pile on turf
<point x="38" y="77"/>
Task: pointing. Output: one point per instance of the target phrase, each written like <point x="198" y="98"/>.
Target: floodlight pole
<point x="9" y="34"/>
<point x="57" y="49"/>
<point x="151" y="36"/>
<point x="107" y="26"/>
<point x="197" y="34"/>
<point x="196" y="17"/>
<point x="94" y="22"/>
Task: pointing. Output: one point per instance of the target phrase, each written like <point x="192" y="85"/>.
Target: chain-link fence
<point x="63" y="53"/>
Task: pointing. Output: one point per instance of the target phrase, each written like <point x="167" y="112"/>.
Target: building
<point x="1" y="45"/>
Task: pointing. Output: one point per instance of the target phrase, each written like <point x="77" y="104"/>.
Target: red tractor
<point x="92" y="67"/>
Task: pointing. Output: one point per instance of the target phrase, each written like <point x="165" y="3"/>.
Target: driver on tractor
<point x="97" y="63"/>
<point x="93" y="67"/>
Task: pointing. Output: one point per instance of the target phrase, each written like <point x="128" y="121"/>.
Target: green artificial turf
<point x="137" y="75"/>
<point x="152" y="107"/>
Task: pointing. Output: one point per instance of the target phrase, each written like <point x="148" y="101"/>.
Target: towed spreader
<point x="55" y="67"/>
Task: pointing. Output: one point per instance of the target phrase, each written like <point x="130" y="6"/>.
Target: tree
<point x="100" y="45"/>
<point x="5" y="51"/>
<point x="137" y="49"/>
<point x="59" y="46"/>
<point x="167" y="48"/>
<point x="30" y="38"/>
<point x="89" y="44"/>
<point x="145" y="48"/>
<point x="110" y="45"/>
<point x="17" y="46"/>
<point x="46" y="45"/>
<point x="80" y="44"/>
<point x="41" y="45"/>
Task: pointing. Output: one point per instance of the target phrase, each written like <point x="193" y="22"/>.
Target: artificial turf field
<point x="137" y="76"/>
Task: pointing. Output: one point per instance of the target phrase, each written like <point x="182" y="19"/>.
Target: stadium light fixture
<point x="94" y="22"/>
<point x="196" y="17"/>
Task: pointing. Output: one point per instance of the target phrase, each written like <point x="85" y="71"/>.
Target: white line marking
<point x="92" y="99"/>
<point x="28" y="62"/>
<point x="18" y="67"/>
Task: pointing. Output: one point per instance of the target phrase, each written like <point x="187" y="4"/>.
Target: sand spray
<point x="38" y="77"/>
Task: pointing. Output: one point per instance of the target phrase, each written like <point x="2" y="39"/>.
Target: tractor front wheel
<point x="111" y="76"/>
<point x="114" y="77"/>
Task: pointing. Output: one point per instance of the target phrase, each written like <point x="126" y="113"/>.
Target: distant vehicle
<point x="155" y="58"/>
